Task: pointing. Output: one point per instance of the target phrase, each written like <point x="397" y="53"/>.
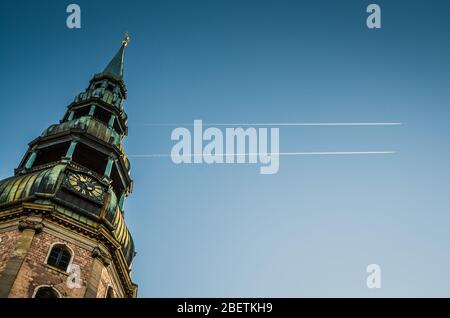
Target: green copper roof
<point x="21" y="187"/>
<point x="46" y="182"/>
<point x="115" y="67"/>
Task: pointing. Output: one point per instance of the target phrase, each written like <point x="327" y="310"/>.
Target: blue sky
<point x="225" y="230"/>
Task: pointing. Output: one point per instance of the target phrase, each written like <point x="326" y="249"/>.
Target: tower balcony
<point x="103" y="94"/>
<point x="89" y="125"/>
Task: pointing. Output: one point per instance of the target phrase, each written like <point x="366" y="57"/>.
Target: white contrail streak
<point x="284" y="124"/>
<point x="157" y="155"/>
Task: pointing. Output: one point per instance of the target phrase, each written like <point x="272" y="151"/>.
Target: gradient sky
<point x="226" y="230"/>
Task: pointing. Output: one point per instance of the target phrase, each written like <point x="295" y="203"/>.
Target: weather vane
<point x="126" y="40"/>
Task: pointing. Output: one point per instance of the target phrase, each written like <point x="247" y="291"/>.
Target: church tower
<point x="62" y="227"/>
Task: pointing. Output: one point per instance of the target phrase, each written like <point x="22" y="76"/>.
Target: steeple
<point x="115" y="66"/>
<point x="65" y="202"/>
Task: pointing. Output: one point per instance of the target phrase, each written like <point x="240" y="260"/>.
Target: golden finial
<point x="126" y="40"/>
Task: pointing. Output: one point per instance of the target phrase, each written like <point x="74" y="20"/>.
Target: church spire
<point x="70" y="187"/>
<point x="116" y="65"/>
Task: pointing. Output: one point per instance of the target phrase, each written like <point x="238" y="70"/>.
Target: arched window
<point x="46" y="292"/>
<point x="59" y="257"/>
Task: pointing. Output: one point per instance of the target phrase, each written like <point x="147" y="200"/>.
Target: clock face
<point x="86" y="185"/>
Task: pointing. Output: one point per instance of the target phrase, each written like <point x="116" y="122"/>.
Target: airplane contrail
<point x="277" y="153"/>
<point x="284" y="124"/>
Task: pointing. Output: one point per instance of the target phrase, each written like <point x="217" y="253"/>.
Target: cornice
<point x="30" y="225"/>
<point x="48" y="213"/>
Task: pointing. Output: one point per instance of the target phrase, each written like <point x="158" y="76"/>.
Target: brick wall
<point x="35" y="272"/>
<point x="8" y="242"/>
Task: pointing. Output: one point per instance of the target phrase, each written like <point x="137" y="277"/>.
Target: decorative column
<point x="111" y="121"/>
<point x="101" y="260"/>
<point x="71" y="114"/>
<point x="109" y="167"/>
<point x="122" y="200"/>
<point x="8" y="276"/>
<point x="31" y="160"/>
<point x="70" y="151"/>
<point x="91" y="111"/>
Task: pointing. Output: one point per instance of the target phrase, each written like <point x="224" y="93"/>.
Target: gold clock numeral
<point x="85" y="185"/>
